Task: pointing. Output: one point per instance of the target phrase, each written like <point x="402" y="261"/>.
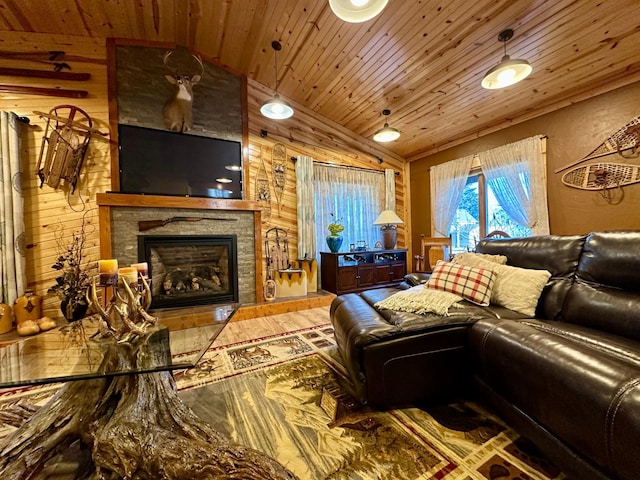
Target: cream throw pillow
<point x="461" y="257"/>
<point x="515" y="288"/>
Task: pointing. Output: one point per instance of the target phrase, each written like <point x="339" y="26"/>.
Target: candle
<point x="129" y="275"/>
<point x="108" y="271"/>
<point x="142" y="268"/>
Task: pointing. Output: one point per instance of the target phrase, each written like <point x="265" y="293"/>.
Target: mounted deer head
<point x="177" y="111"/>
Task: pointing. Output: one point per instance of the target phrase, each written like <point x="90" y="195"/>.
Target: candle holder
<point x="125" y="315"/>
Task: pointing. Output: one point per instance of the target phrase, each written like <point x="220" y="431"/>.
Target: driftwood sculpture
<point x="128" y="426"/>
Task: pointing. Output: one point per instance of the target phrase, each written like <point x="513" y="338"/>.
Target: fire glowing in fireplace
<point x="190" y="269"/>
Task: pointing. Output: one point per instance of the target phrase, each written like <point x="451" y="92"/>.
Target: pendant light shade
<point x="386" y="133"/>
<point x="508" y="71"/>
<point x="276" y="108"/>
<point x="357" y="11"/>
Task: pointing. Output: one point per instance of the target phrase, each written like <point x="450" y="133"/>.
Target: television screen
<point x="160" y="162"/>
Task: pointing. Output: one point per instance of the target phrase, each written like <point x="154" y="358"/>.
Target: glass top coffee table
<point x="75" y="350"/>
<point x="117" y="414"/>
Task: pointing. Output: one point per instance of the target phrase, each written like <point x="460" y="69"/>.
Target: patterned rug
<point x="283" y="395"/>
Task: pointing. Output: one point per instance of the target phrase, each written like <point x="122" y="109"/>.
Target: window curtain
<point x="305" y="207"/>
<point x="354" y="197"/>
<point x="390" y="189"/>
<point x="447" y="184"/>
<point x="11" y="210"/>
<point x="516" y="173"/>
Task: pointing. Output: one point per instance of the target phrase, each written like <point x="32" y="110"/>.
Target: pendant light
<point x="276" y="108"/>
<point x="386" y="133"/>
<point x="357" y="11"/>
<point x="508" y="71"/>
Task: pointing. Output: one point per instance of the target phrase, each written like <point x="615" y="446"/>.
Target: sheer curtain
<point x="516" y="173"/>
<point x="390" y="187"/>
<point x="354" y="197"/>
<point x="11" y="210"/>
<point x="447" y="183"/>
<point x="305" y="208"/>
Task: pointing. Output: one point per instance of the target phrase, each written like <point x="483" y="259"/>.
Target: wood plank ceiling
<point x="423" y="59"/>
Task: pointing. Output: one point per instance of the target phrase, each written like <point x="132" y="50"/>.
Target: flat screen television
<point x="160" y="162"/>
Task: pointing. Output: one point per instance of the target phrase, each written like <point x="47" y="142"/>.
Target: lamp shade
<point x="276" y="108"/>
<point x="388" y="217"/>
<point x="357" y="11"/>
<point x="386" y="134"/>
<point x="506" y="73"/>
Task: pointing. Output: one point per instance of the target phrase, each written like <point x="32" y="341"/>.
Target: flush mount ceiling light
<point x="233" y="168"/>
<point x="386" y="133"/>
<point x="276" y="108"/>
<point x="508" y="71"/>
<point x="357" y="11"/>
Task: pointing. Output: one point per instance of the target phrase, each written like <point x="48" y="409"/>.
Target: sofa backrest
<point x="606" y="291"/>
<point x="557" y="254"/>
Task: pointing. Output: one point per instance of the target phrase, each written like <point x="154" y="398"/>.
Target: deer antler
<point x="165" y="61"/>
<point x="105" y="324"/>
<point x="199" y="60"/>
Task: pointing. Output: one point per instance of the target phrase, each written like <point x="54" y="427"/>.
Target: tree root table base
<point x="131" y="427"/>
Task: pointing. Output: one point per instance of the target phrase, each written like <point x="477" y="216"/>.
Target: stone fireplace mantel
<point x="119" y="213"/>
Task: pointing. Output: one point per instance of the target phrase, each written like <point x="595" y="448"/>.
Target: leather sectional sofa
<point x="568" y="378"/>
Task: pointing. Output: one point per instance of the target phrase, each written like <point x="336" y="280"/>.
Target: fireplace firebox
<point x="190" y="270"/>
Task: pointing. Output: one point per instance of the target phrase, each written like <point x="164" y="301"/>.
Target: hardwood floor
<point x="243" y="330"/>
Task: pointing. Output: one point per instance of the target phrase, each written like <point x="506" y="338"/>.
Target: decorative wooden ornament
<point x="279" y="172"/>
<point x="263" y="192"/>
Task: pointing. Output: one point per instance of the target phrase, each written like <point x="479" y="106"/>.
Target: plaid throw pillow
<point x="473" y="284"/>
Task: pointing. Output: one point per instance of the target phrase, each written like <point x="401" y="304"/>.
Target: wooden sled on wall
<point x="64" y="145"/>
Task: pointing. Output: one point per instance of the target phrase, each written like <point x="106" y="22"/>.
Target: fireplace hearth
<point x="187" y="270"/>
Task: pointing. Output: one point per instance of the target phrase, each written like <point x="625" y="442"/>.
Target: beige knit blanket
<point x="420" y="300"/>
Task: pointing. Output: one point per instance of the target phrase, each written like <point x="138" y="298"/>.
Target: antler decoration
<point x="126" y="311"/>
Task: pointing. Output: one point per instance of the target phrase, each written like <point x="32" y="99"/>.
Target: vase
<point x="6" y="320"/>
<point x="75" y="312"/>
<point x="334" y="242"/>
<point x="28" y="307"/>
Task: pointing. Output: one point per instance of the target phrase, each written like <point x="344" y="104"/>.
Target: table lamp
<point x="388" y="221"/>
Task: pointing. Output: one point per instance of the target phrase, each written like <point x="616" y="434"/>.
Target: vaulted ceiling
<point x="422" y="59"/>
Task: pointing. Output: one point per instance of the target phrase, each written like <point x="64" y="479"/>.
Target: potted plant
<point x="75" y="276"/>
<point x="334" y="240"/>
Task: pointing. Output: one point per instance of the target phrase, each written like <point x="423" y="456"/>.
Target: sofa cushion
<point x="606" y="293"/>
<point x="572" y="385"/>
<point x="473" y="284"/>
<point x="558" y="254"/>
<point x="515" y="288"/>
<point x="461" y="257"/>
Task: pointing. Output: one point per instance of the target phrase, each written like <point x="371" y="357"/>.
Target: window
<point x="479" y="212"/>
<point x="500" y="189"/>
<point x="353" y="196"/>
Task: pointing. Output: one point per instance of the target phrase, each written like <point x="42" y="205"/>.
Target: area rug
<point x="285" y="395"/>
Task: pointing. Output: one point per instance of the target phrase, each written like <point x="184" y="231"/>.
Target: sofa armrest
<point x="416" y="278"/>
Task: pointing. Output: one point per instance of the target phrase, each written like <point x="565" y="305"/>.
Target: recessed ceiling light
<point x="233" y="168"/>
<point x="223" y="180"/>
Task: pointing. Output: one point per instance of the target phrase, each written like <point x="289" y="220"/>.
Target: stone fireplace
<point x="120" y="217"/>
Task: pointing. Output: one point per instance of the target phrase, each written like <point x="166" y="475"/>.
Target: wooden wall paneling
<point x="424" y="61"/>
<point x="48" y="210"/>
<point x="309" y="138"/>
